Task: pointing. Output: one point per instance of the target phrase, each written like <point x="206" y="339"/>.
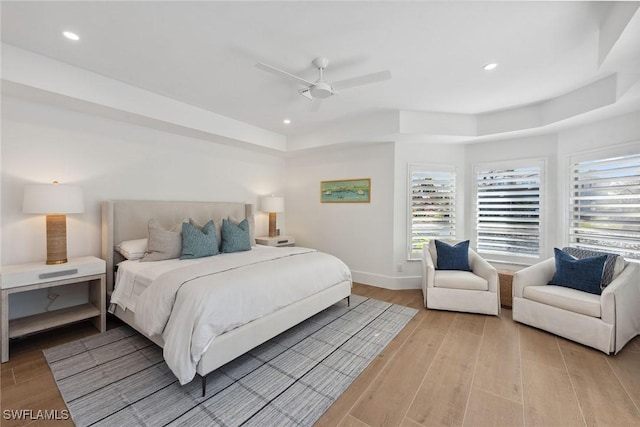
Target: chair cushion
<point x="582" y="274"/>
<point x="453" y="257"/>
<point x="565" y="298"/>
<point x="455" y="279"/>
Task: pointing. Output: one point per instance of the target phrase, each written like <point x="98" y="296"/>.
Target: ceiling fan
<point x="321" y="89"/>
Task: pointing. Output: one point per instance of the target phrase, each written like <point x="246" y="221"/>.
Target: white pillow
<point x="132" y="249"/>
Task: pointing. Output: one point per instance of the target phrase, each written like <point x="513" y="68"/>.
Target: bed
<point x="128" y="220"/>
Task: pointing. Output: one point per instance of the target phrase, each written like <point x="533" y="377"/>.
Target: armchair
<point x="605" y="322"/>
<point x="475" y="291"/>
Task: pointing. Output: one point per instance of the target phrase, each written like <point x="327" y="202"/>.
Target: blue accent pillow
<point x="199" y="242"/>
<point x="235" y="238"/>
<point x="609" y="264"/>
<point x="583" y="274"/>
<point x="454" y="257"/>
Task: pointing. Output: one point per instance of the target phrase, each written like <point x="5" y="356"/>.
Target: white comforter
<point x="192" y="305"/>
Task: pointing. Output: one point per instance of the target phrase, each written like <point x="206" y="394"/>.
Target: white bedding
<point x="134" y="276"/>
<point x="191" y="302"/>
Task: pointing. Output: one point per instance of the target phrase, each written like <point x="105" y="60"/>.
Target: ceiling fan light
<point x="321" y="90"/>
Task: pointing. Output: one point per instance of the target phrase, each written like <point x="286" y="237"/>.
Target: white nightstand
<point x="38" y="275"/>
<point x="276" y="241"/>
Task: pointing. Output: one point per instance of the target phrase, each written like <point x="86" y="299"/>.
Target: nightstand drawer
<point x="279" y="241"/>
<point x="38" y="272"/>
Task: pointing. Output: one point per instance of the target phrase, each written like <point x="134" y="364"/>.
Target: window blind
<point x="432" y="210"/>
<point x="508" y="202"/>
<point x="605" y="205"/>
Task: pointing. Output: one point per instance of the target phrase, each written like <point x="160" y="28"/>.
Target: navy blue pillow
<point x="583" y="274"/>
<point x="454" y="257"/>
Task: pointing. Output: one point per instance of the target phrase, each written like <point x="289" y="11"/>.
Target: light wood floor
<point x="443" y="368"/>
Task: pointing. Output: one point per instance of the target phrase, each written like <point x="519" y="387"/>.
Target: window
<point x="508" y="207"/>
<point x="605" y="205"/>
<point x="432" y="205"/>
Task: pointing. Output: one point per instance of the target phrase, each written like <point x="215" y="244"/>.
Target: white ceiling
<point x="203" y="53"/>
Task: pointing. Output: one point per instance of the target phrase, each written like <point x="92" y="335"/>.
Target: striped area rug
<point x="119" y="378"/>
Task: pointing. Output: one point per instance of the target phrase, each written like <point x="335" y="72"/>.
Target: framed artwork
<point x="346" y="191"/>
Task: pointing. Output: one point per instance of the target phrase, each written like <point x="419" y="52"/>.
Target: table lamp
<point x="55" y="201"/>
<point x="273" y="205"/>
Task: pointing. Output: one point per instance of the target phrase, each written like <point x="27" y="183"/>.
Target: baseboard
<point x="387" y="282"/>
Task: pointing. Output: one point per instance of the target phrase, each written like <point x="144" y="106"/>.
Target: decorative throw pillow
<point x="235" y="238"/>
<point x="199" y="242"/>
<point x="611" y="265"/>
<point x="163" y="244"/>
<point x="132" y="249"/>
<point x="454" y="257"/>
<point x="582" y="274"/>
<point x="252" y="231"/>
<point x="218" y="224"/>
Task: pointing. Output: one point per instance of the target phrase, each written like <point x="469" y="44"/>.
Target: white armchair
<point x="475" y="291"/>
<point x="605" y="322"/>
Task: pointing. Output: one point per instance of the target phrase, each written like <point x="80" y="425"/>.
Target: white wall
<point x="361" y="234"/>
<point x="115" y="160"/>
<point x="605" y="138"/>
<point x="372" y="238"/>
<point x="537" y="147"/>
<point x="410" y="275"/>
<point x="112" y="160"/>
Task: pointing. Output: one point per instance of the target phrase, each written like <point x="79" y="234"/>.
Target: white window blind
<point x="432" y="206"/>
<point x="508" y="206"/>
<point x="605" y="205"/>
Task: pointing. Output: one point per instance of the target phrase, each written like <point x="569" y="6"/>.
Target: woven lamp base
<point x="56" y="239"/>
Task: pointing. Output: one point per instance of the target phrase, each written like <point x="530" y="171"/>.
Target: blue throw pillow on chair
<point x="583" y="274"/>
<point x="454" y="257"/>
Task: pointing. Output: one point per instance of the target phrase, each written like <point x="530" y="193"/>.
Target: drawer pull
<point x="58" y="273"/>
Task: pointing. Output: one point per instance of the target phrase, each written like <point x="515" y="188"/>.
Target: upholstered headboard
<point x="128" y="220"/>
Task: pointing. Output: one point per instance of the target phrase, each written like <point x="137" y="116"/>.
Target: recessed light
<point x="71" y="36"/>
<point x="490" y="66"/>
<point x="286" y="121"/>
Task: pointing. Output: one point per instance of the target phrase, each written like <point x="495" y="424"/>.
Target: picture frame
<point x="346" y="191"/>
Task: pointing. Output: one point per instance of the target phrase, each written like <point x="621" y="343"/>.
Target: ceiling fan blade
<point x="315" y="104"/>
<point x="362" y="80"/>
<point x="280" y="72"/>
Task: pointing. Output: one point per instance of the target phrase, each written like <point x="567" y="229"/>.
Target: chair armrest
<point x="428" y="269"/>
<point x="620" y="300"/>
<point x="537" y="274"/>
<point x="481" y="267"/>
<point x="428" y="272"/>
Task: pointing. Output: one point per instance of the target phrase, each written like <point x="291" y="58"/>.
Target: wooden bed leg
<point x="204" y="385"/>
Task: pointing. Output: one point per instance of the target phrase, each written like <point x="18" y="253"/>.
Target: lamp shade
<point x="52" y="199"/>
<point x="272" y="204"/>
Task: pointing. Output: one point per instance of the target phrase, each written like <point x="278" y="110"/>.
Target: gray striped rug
<point x="119" y="378"/>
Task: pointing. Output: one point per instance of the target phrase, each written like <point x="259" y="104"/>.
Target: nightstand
<point x="28" y="277"/>
<point x="279" y="241"/>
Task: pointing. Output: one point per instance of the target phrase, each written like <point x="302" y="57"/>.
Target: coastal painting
<point x="346" y="191"/>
